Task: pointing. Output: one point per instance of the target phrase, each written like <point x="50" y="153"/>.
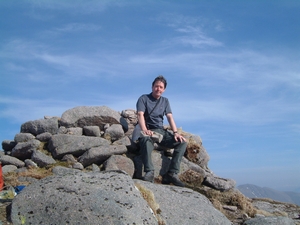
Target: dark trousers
<point x="147" y="146"/>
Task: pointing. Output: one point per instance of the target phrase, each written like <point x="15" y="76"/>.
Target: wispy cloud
<point x="76" y="6"/>
<point x="190" y="31"/>
<point x="78" y="27"/>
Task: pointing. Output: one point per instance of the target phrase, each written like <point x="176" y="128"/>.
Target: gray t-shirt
<point x="146" y="103"/>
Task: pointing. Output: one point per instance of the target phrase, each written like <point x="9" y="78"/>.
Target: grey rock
<point x="8" y="145"/>
<point x="98" y="155"/>
<point x="95" y="168"/>
<point x="123" y="141"/>
<point x="23" y="137"/>
<point x="77" y="166"/>
<point x="130" y="115"/>
<point x="9" y="168"/>
<point x="270" y="220"/>
<point x="218" y="183"/>
<point x="115" y="132"/>
<point x="9" y="160"/>
<point x="64" y="171"/>
<point x="75" y="131"/>
<point x="106" y="126"/>
<point x="44" y="137"/>
<point x="195" y="167"/>
<point x="69" y="158"/>
<point x="276" y="208"/>
<point x="24" y="150"/>
<point x="93" y="131"/>
<point x="119" y="162"/>
<point x="41" y="159"/>
<point x="183" y="206"/>
<point x="91" y="116"/>
<point x="30" y="163"/>
<point x="230" y="208"/>
<point x="62" y="130"/>
<point x="28" y="179"/>
<point x="93" y="198"/>
<point x="36" y="127"/>
<point x="62" y="144"/>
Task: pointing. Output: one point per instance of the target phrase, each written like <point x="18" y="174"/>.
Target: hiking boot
<point x="173" y="178"/>
<point x="149" y="176"/>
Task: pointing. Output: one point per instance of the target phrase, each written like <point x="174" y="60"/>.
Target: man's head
<point x="161" y="79"/>
<point x="158" y="86"/>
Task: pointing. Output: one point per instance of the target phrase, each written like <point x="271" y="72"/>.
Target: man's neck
<point x="156" y="97"/>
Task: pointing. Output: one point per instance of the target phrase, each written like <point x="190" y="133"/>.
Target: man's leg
<point x="146" y="148"/>
<point x="178" y="153"/>
<point x="174" y="168"/>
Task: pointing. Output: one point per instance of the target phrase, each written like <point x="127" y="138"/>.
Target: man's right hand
<point x="148" y="132"/>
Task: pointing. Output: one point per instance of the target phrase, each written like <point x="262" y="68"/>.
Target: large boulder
<point x="88" y="198"/>
<point x="183" y="206"/>
<point x="36" y="127"/>
<point x="62" y="144"/>
<point x="92" y="116"/>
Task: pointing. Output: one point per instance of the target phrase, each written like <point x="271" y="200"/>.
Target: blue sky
<point x="232" y="67"/>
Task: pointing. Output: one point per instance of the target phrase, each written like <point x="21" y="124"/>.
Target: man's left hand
<point x="178" y="138"/>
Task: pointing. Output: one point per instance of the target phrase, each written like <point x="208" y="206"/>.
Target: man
<point x="158" y="106"/>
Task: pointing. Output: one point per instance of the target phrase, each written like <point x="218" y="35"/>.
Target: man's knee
<point x="145" y="141"/>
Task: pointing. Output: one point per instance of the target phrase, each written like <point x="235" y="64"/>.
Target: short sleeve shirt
<point x="146" y="103"/>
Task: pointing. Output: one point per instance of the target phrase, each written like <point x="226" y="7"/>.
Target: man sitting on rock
<point x="151" y="109"/>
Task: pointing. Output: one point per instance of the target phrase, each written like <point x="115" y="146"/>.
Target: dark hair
<point x="161" y="79"/>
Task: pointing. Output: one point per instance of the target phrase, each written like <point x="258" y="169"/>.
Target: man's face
<point x="157" y="89"/>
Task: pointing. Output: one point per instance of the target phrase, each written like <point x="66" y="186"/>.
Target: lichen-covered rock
<point x="88" y="198"/>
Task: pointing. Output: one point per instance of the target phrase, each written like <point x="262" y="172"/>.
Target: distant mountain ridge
<point x="253" y="191"/>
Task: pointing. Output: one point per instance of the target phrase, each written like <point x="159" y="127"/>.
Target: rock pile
<point x="111" y="191"/>
<point x="92" y="135"/>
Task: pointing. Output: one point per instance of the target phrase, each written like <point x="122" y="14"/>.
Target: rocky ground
<point x="235" y="206"/>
